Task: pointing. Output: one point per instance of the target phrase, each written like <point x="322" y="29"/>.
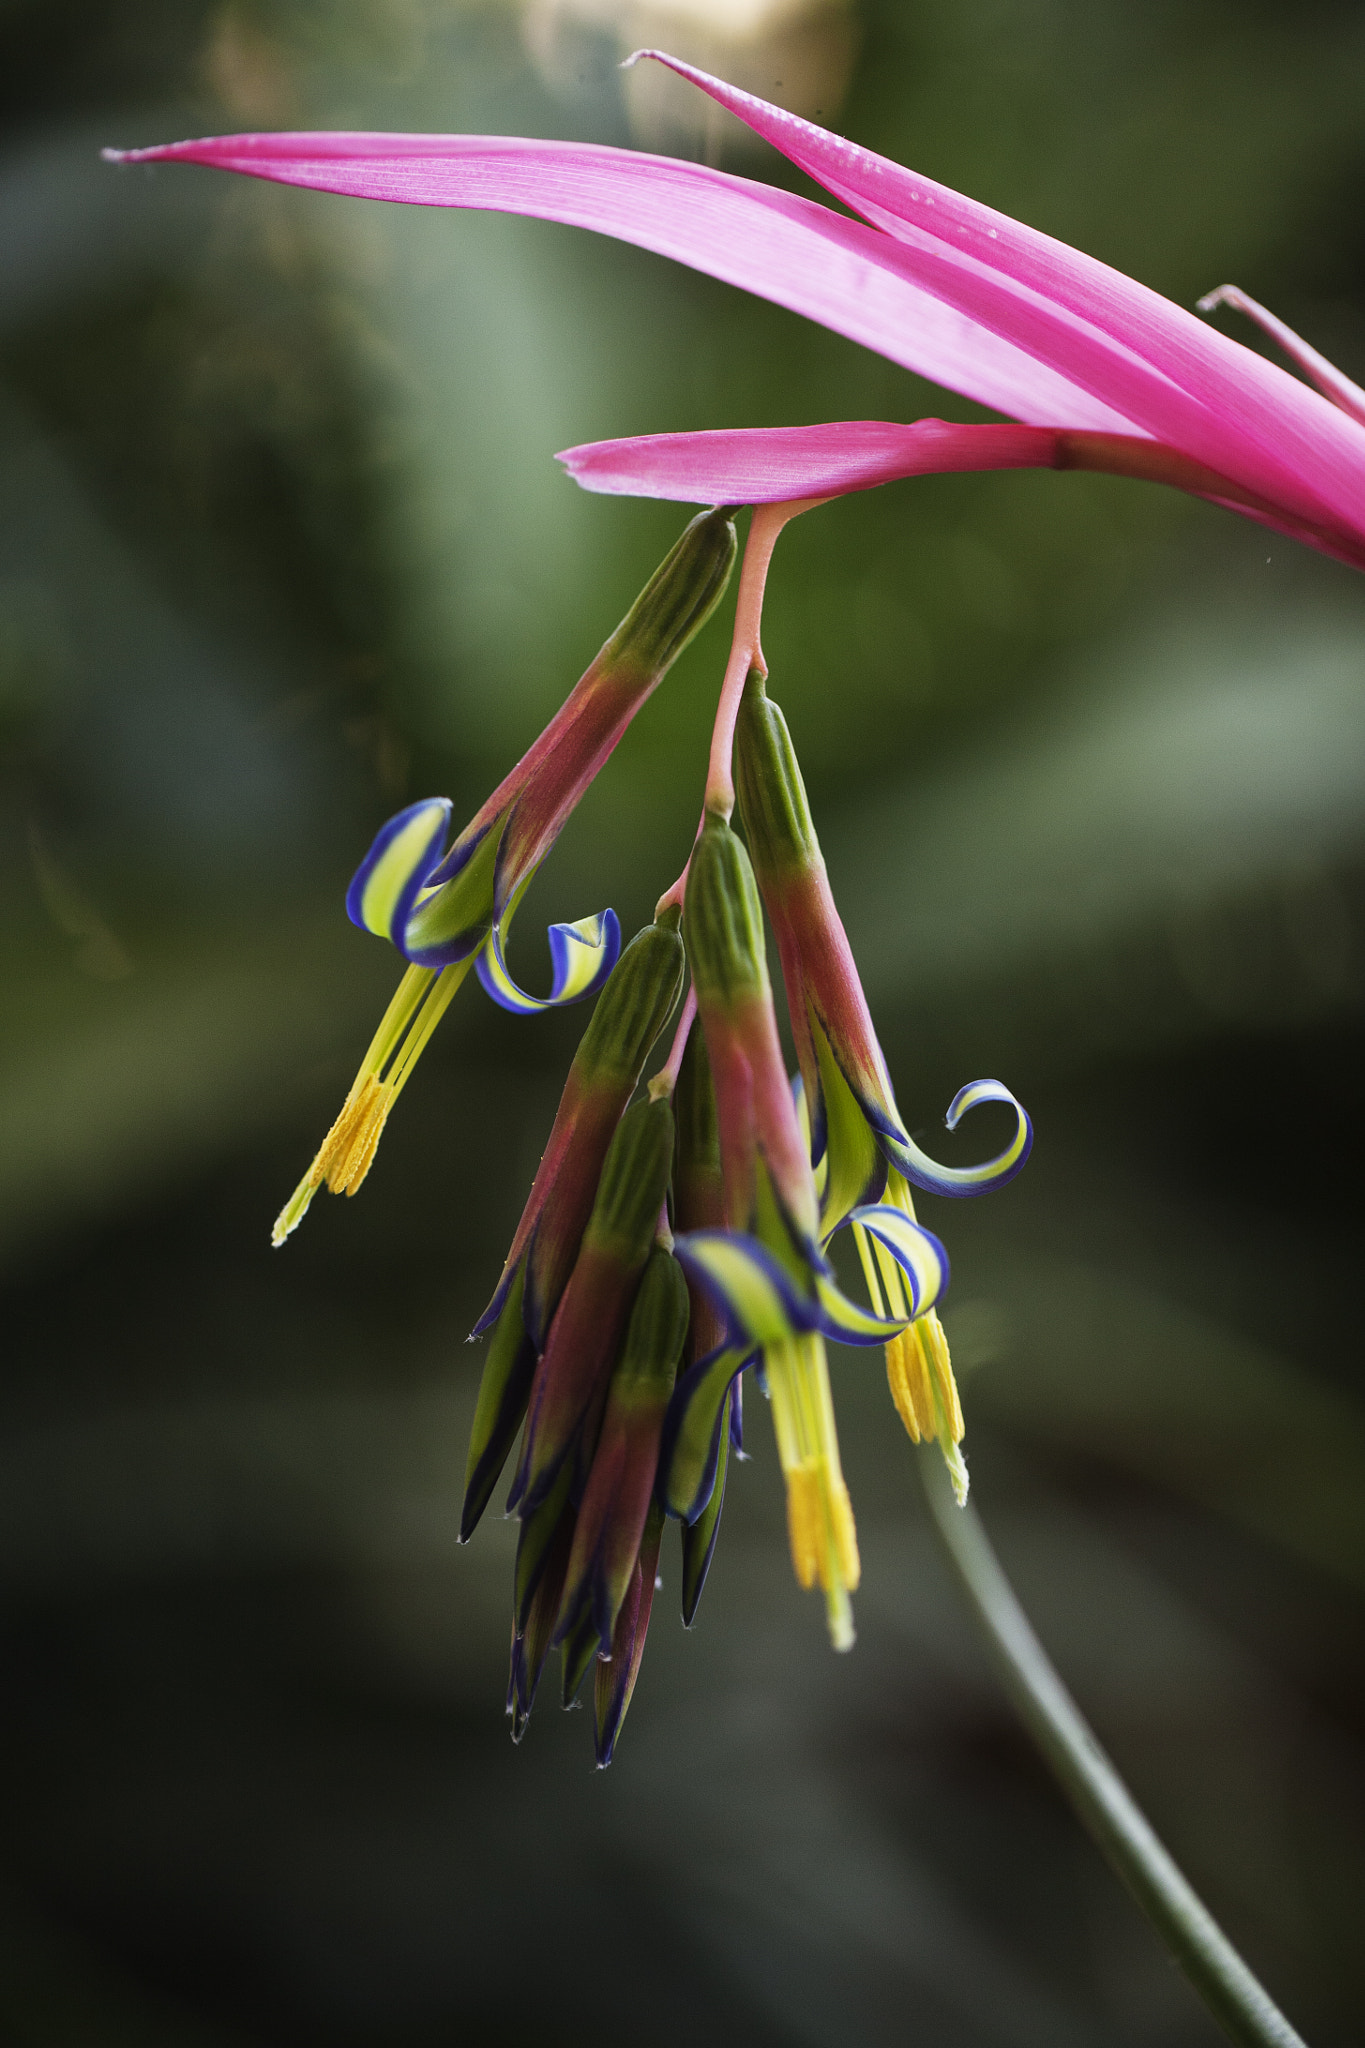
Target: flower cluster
<point x="679" y="1237"/>
<point x="676" y="1235"/>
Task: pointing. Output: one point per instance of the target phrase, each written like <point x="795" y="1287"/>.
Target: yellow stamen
<point x="936" y="1344"/>
<point x="820" y="1526"/>
<point x="805" y="1521"/>
<point x="919" y="1370"/>
<point x="347" y="1152"/>
<point x="864" y="1244"/>
<point x="949" y="1426"/>
<point x="907" y="1374"/>
<point x="844" y="1531"/>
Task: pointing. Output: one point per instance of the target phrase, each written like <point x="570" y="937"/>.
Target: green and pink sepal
<point x="614" y="1684"/>
<point x="633" y="1010"/>
<point x="856" y="1130"/>
<point x="760" y="1141"/>
<point x="630" y="1013"/>
<point x="575" y="1367"/>
<point x="620" y="1488"/>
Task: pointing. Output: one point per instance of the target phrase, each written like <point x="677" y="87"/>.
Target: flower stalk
<point x="1240" y="2004"/>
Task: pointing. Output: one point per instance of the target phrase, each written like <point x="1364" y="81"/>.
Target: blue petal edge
<point x="416" y="882"/>
<point x="960" y="1181"/>
<point x="683" y="1394"/>
<point x="600" y="935"/>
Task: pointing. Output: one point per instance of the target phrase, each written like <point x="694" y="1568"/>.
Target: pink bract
<point x="951" y="289"/>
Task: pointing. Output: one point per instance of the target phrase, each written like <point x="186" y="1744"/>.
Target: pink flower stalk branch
<point x="746" y="647"/>
<point x="666" y="1080"/>
<point x="746" y="653"/>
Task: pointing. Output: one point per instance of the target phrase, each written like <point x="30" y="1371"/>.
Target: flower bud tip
<point x="678" y="599"/>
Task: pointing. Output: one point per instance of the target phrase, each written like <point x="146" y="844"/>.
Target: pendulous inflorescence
<point x="676" y="1236"/>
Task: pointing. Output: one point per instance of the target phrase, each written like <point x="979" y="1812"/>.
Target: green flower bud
<point x="634" y="1179"/>
<point x="654" y="1337"/>
<point x="503" y="1392"/>
<point x="772" y="796"/>
<point x="722" y="919"/>
<point x="698" y="1194"/>
<point x="635" y="1004"/>
<point x="534" y="1544"/>
<point x="678" y="599"/>
<point x="579" y="1652"/>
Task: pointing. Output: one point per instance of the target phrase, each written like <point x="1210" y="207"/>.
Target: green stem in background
<point x="1242" y="2008"/>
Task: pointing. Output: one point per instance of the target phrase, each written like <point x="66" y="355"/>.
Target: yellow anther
<point x="907" y="1374"/>
<point x="820" y="1526"/>
<point x="935" y="1340"/>
<point x="805" y="1522"/>
<point x="845" y="1534"/>
<point x="347" y="1152"/>
<point x="919" y="1373"/>
<point x="898" y="1379"/>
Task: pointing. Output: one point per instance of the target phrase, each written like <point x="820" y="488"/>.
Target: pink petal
<point x="1171" y="376"/>
<point x="773" y="465"/>
<point x="847" y="276"/>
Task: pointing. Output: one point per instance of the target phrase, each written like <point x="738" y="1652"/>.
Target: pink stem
<point x="666" y="1080"/>
<point x="672" y="899"/>
<point x="746" y="652"/>
<point x="746" y="648"/>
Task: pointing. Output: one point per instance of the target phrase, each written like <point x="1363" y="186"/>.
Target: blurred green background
<point x="282" y="547"/>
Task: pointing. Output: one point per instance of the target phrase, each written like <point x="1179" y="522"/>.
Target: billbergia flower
<point x="856" y="1128"/>
<point x="1098" y="371"/>
<point x="449" y="910"/>
<point x="860" y="1149"/>
<point x="765" y="1271"/>
<point x="602" y="1301"/>
<point x="673" y="1242"/>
